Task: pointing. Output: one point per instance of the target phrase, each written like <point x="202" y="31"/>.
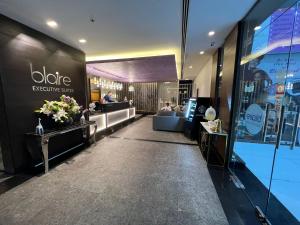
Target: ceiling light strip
<point x="184" y="26"/>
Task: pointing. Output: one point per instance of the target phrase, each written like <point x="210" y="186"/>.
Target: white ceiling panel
<point x="204" y="16"/>
<point x="132" y="28"/>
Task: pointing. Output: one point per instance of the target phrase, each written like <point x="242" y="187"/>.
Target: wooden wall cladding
<point x="230" y="48"/>
<point x="95" y="95"/>
<point x="144" y="96"/>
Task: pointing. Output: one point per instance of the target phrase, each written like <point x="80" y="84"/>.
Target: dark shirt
<point x="108" y="98"/>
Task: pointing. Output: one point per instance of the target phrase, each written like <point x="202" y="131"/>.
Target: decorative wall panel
<point x="230" y="48"/>
<point x="33" y="68"/>
<point x="144" y="96"/>
<point x="185" y="90"/>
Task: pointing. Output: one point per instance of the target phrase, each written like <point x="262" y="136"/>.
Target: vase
<point x="47" y="122"/>
<point x="76" y="117"/>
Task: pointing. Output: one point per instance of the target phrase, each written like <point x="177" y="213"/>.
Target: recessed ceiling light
<point x="257" y="28"/>
<point x="82" y="41"/>
<point x="52" y="23"/>
<point x="201" y="53"/>
<point x="190" y="67"/>
<point x="211" y="33"/>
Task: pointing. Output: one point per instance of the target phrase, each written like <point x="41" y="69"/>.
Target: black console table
<point x="44" y="138"/>
<point x="206" y="143"/>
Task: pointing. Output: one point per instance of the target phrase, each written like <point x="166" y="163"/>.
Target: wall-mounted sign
<point x="254" y="119"/>
<point x="34" y="68"/>
<point x="49" y="82"/>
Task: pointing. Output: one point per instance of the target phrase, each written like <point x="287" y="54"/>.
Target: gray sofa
<point x="169" y="121"/>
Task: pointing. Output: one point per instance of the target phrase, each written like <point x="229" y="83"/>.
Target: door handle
<point x="281" y="121"/>
<point x="295" y="129"/>
<point x="265" y="123"/>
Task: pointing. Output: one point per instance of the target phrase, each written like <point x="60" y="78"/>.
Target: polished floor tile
<point x="142" y="129"/>
<point x="120" y="181"/>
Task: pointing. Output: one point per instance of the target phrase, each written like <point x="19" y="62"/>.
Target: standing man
<point x="108" y="97"/>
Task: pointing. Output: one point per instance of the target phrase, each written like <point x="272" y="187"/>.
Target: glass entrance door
<point x="285" y="184"/>
<point x="266" y="142"/>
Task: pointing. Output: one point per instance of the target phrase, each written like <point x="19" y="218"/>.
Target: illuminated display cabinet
<point x="195" y="114"/>
<point x="191" y="109"/>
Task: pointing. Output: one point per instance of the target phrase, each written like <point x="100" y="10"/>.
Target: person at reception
<point x="108" y="97"/>
<point x="167" y="107"/>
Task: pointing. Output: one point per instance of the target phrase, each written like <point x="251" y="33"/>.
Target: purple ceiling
<point x="145" y="69"/>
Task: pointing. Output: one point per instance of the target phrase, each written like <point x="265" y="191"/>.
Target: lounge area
<point x="169" y="121"/>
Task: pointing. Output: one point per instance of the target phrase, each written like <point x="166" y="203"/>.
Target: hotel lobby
<point x="174" y="112"/>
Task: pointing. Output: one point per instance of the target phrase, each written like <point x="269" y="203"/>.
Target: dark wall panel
<point x="214" y="76"/>
<point x="27" y="56"/>
<point x="144" y="96"/>
<point x="228" y="77"/>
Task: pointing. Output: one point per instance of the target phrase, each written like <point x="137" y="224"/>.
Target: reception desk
<point x="113" y="106"/>
<point x="112" y="114"/>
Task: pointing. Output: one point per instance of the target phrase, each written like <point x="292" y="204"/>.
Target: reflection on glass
<point x="270" y="79"/>
<point x="285" y="185"/>
<point x="168" y="93"/>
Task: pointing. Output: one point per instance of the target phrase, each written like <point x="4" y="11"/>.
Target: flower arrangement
<point x="61" y="111"/>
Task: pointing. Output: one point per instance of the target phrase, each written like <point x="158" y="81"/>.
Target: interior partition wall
<point x="143" y="95"/>
<point x="185" y="91"/>
<point x="226" y="85"/>
<point x="266" y="140"/>
<point x="168" y="92"/>
<point x="216" y="79"/>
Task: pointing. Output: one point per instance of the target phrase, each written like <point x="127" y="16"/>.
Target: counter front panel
<point x="100" y="121"/>
<point x="116" y="117"/>
<point x="109" y="119"/>
<point x="131" y="112"/>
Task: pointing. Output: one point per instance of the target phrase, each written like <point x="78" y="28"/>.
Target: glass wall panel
<point x="285" y="186"/>
<point x="168" y="93"/>
<point x="268" y="81"/>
